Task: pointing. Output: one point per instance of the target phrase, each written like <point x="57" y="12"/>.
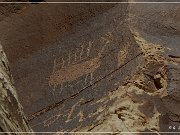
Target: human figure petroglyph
<point x="74" y="70"/>
<point x="89" y="48"/>
<point x="82" y="51"/>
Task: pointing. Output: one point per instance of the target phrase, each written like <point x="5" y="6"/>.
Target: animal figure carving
<point x="75" y="70"/>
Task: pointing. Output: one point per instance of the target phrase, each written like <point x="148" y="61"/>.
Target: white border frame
<point x="96" y="2"/>
<point x="91" y="132"/>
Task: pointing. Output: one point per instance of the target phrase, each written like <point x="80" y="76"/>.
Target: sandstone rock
<point x="12" y="118"/>
<point x="91" y="69"/>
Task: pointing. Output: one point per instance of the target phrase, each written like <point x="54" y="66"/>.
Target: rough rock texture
<point x="114" y="69"/>
<point x="150" y="100"/>
<point x="76" y="72"/>
<point x="12" y="117"/>
<point x="162" y="29"/>
<point x="44" y="24"/>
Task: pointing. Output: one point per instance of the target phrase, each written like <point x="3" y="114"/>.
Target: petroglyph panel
<point x="74" y="70"/>
<point x="71" y="75"/>
<point x="81" y="64"/>
<point x="86" y="108"/>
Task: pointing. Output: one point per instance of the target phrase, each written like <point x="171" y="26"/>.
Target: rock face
<point x="70" y="78"/>
<point x="159" y="26"/>
<point x="82" y="68"/>
<point x="12" y="117"/>
<point x="44" y="24"/>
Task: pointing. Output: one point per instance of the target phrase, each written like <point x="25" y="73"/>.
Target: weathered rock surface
<point x="114" y="69"/>
<point x="12" y="118"/>
<point x="84" y="67"/>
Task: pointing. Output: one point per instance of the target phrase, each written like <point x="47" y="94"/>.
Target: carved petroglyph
<point x="81" y="114"/>
<point x="89" y="48"/>
<point x="63" y="72"/>
<point x="71" y="112"/>
<point x="72" y="70"/>
<point x="122" y="54"/>
<point x="51" y="119"/>
<point x="107" y="38"/>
